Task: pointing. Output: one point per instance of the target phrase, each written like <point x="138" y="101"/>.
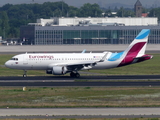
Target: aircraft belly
<point x="106" y="65"/>
<point x="35" y="66"/>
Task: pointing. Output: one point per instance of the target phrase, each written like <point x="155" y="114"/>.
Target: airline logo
<point x="41" y="56"/>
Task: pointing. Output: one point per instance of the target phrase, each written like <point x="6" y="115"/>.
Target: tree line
<point x="14" y="16"/>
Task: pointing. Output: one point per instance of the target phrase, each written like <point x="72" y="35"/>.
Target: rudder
<point x="136" y="49"/>
<point x="138" y="46"/>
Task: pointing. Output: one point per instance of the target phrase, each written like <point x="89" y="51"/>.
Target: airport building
<point x="104" y="30"/>
<point x="88" y="30"/>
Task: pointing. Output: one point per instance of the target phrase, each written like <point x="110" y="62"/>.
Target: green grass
<point x="46" y="97"/>
<point x="149" y="67"/>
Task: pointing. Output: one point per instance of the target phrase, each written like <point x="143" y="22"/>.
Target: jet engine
<point x="57" y="70"/>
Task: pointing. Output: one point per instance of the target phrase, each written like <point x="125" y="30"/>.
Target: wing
<point x="81" y="65"/>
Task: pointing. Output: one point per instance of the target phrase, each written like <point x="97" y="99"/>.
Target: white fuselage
<point x="44" y="61"/>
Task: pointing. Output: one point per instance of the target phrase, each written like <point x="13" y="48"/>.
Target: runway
<point x="118" y="80"/>
<point x="18" y="49"/>
<point x="73" y="48"/>
<point x="82" y="112"/>
<point x="18" y="52"/>
<point x="123" y="80"/>
<point x="88" y="77"/>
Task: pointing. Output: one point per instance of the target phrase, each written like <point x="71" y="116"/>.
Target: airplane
<point x="63" y="63"/>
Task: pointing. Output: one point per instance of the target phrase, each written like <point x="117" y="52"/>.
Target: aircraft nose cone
<point x="6" y="64"/>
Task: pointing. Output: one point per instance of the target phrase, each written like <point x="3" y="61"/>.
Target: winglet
<point x="83" y="51"/>
<point x="103" y="58"/>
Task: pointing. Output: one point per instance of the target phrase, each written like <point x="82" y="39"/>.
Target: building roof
<point x="144" y="14"/>
<point x="138" y="3"/>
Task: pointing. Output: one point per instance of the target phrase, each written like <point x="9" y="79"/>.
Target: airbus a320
<point x="63" y="63"/>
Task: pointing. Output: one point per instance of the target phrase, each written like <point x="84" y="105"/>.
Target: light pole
<point x="4" y="33"/>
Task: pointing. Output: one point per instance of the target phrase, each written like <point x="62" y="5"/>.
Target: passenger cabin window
<point x="15" y="59"/>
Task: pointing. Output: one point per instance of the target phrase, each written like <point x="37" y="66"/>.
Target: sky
<point x="78" y="3"/>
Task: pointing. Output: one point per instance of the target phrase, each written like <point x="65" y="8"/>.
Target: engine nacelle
<point x="57" y="70"/>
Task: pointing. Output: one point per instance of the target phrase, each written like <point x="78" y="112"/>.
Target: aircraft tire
<point x="77" y="75"/>
<point x="72" y="74"/>
<point x="24" y="75"/>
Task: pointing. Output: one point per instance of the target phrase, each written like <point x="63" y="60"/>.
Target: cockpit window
<point x="16" y="59"/>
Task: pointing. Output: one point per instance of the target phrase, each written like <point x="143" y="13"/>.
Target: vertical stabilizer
<point x="136" y="50"/>
<point x="138" y="46"/>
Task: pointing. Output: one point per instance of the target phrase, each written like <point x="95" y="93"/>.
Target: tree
<point x="13" y="32"/>
<point x="92" y="10"/>
<point x="73" y="11"/>
<point x="1" y="32"/>
<point x="125" y="12"/>
<point x="155" y="13"/>
<point x="6" y="7"/>
<point x="4" y="24"/>
<point x="108" y="13"/>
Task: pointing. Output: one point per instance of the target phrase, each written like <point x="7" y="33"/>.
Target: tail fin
<point x="138" y="46"/>
<point x="136" y="50"/>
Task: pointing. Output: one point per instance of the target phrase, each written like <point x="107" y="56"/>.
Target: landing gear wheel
<point x="25" y="73"/>
<point x="72" y="74"/>
<point x="77" y="75"/>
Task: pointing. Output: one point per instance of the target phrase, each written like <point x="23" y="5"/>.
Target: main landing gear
<point x="25" y="73"/>
<point x="74" y="75"/>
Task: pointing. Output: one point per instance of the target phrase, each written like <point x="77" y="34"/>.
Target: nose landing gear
<point x="25" y="73"/>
